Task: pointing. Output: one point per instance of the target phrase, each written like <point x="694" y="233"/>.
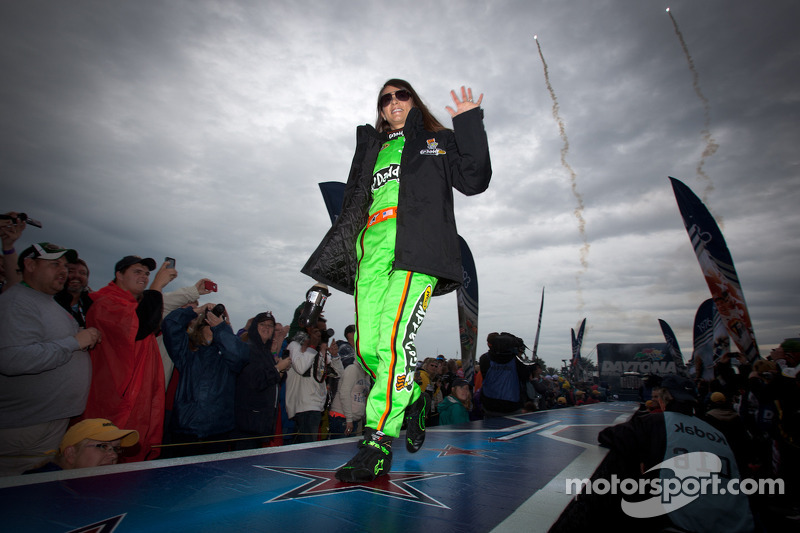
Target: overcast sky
<point x="200" y="130"/>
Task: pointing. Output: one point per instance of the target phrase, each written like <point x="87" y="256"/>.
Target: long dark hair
<point x="428" y="120"/>
<point x="195" y="333"/>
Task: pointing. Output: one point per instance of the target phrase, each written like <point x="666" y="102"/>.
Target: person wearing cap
<point x="44" y="366"/>
<point x="89" y="443"/>
<point x="722" y="416"/>
<point x="787" y="357"/>
<point x="257" y="389"/>
<point x="127" y="372"/>
<point x="646" y="441"/>
<point x="455" y="408"/>
<point x="306" y="388"/>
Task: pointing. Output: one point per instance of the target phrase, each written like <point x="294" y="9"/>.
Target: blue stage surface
<point x="501" y="474"/>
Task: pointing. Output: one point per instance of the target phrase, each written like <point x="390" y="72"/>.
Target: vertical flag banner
<point x="710" y="340"/>
<point x="573" y="361"/>
<point x="672" y="346"/>
<point x="467" y="298"/>
<point x="538" y="328"/>
<point x="717" y="266"/>
<point x="577" y="341"/>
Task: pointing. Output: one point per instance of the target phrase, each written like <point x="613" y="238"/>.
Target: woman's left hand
<point x="465" y="103"/>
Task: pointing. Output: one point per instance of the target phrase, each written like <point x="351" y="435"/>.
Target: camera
<point x="219" y="310"/>
<point x="170" y="262"/>
<point x="326" y="334"/>
<point x="210" y="286"/>
<point x="23" y="218"/>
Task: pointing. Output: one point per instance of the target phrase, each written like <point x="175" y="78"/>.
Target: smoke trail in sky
<point x="584" y="251"/>
<point x="711" y="145"/>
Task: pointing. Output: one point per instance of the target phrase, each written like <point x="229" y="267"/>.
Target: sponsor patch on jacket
<point x="432" y="148"/>
<point x="392" y="173"/>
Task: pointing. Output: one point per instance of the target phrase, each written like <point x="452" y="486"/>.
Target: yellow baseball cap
<point x="98" y="429"/>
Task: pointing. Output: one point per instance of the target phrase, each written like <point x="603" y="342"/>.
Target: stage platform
<point x="501" y="474"/>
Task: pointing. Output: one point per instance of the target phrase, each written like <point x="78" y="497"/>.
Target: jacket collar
<point x="414" y="120"/>
<point x="413" y="125"/>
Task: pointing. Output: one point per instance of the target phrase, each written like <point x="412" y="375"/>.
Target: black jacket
<point x="64" y="299"/>
<point x="427" y="239"/>
<point x="257" y="387"/>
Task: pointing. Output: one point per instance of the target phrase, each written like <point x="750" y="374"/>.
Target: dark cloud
<point x="200" y="130"/>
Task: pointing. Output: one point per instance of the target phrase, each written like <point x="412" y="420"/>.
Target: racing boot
<point x="373" y="459"/>
<point x="416" y="413"/>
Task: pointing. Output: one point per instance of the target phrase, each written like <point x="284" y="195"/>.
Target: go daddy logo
<point x="412" y="326"/>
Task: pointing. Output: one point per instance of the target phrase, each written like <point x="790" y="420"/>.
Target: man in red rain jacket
<point x="127" y="374"/>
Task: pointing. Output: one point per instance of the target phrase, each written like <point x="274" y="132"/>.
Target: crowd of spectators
<point x="77" y="362"/>
<point x="176" y="374"/>
<point x="76" y="365"/>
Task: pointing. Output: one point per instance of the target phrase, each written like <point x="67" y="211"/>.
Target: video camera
<point x="507" y="344"/>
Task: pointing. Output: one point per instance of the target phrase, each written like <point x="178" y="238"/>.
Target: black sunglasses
<point x="402" y="95"/>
